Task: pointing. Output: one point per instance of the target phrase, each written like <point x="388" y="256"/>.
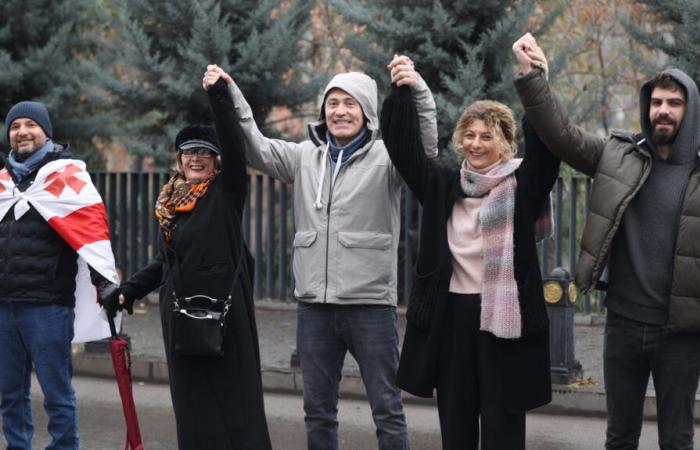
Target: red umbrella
<point x="121" y="360"/>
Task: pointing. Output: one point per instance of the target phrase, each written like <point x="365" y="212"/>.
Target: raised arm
<point x="274" y="157"/>
<point x="400" y="127"/>
<point x="540" y="166"/>
<point x="231" y="139"/>
<point x="580" y="149"/>
<point x="403" y="73"/>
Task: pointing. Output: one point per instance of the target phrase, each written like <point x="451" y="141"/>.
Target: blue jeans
<point x="39" y="334"/>
<point x="325" y="333"/>
<point x="633" y="350"/>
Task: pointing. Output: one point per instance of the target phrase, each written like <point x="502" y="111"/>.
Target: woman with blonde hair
<point x="477" y="328"/>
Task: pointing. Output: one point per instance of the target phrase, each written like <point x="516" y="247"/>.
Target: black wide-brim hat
<point x="197" y="136"/>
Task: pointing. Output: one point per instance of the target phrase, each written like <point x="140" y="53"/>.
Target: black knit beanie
<point x="31" y="110"/>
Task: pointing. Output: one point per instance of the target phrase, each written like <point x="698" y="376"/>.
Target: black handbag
<point x="198" y="327"/>
<point x="199" y="321"/>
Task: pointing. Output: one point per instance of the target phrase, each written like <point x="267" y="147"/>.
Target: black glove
<point x="128" y="303"/>
<point x="108" y="297"/>
<point x="107" y="293"/>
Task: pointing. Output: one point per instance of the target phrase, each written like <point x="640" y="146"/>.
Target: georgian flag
<point x="63" y="194"/>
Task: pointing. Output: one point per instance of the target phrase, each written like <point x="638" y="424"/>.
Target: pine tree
<point x="677" y="34"/>
<point x="162" y="47"/>
<point x="461" y="48"/>
<point x="598" y="66"/>
<point x="44" y="51"/>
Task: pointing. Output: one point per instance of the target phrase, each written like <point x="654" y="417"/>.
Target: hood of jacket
<point x="362" y="88"/>
<point x="687" y="143"/>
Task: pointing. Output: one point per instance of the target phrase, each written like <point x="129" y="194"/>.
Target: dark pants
<point x="469" y="386"/>
<point x="325" y="333"/>
<point x="633" y="350"/>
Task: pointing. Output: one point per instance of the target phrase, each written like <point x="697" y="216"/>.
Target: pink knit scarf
<point x="500" y="309"/>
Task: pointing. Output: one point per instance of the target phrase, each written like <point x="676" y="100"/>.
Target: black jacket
<point x="36" y="264"/>
<point x="525" y="361"/>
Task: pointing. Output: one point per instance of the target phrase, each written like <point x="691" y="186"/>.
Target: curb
<point x="566" y="400"/>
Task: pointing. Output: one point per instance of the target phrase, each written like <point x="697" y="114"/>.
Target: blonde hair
<point x="497" y="117"/>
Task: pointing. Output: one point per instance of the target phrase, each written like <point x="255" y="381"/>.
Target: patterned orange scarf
<point x="176" y="197"/>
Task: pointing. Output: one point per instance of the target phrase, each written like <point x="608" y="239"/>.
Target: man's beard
<point x="24" y="154"/>
<point x="663" y="137"/>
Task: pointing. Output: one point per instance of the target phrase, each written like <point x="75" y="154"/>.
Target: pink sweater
<point x="466" y="245"/>
<point x="464" y="239"/>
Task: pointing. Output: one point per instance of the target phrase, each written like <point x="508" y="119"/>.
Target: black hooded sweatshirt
<point x="641" y="257"/>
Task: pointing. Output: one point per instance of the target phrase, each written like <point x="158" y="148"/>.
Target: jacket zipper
<point x="618" y="218"/>
<point x="331" y="184"/>
<point x="328" y="235"/>
<point x="328" y="231"/>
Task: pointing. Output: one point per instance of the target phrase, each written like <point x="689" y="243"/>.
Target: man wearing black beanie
<point x="38" y="271"/>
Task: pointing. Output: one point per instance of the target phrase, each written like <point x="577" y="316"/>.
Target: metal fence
<point x="268" y="226"/>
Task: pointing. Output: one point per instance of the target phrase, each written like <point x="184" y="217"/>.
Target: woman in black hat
<point x="218" y="400"/>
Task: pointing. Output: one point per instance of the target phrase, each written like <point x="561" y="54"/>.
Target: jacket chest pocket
<point x="364" y="264"/>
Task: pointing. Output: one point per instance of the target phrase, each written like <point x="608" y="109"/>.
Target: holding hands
<point x="213" y="74"/>
<point x="403" y="71"/>
<point x="530" y="55"/>
<point x="107" y="296"/>
<point x="126" y="304"/>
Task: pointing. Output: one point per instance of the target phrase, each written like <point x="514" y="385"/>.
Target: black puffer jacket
<point x="36" y="265"/>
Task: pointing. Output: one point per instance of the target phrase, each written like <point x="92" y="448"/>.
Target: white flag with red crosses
<point x="63" y="194"/>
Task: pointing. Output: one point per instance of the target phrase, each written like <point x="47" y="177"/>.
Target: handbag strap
<point x="176" y="276"/>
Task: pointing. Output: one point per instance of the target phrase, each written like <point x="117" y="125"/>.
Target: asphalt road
<point x="101" y="422"/>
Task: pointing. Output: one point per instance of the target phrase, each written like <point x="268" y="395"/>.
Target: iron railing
<point x="268" y="226"/>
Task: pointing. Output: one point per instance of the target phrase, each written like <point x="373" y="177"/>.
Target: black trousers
<point x="633" y="350"/>
<point x="469" y="387"/>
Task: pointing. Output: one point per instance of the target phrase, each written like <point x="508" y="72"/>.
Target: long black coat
<point x="218" y="402"/>
<point x="524" y="361"/>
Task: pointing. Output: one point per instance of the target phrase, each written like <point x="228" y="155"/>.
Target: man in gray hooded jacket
<point x="347" y="214"/>
<point x="643" y="225"/>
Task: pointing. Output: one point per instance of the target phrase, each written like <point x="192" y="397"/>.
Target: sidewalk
<point x="277" y="333"/>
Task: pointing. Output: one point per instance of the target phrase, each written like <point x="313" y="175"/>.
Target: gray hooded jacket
<point x="621" y="165"/>
<point x="347" y="220"/>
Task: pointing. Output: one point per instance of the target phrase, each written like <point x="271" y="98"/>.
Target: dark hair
<point x="666" y="81"/>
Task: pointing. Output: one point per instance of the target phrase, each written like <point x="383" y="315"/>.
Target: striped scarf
<point x="500" y="309"/>
<point x="176" y="197"/>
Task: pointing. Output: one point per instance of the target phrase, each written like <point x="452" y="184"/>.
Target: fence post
<point x="258" y="235"/>
<point x="270" y="247"/>
<point x="145" y="215"/>
<point x="560" y="295"/>
<point x="559" y="221"/>
<point x="282" y="291"/>
<point x="573" y="206"/>
<point x="122" y="257"/>
<point x="133" y="222"/>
